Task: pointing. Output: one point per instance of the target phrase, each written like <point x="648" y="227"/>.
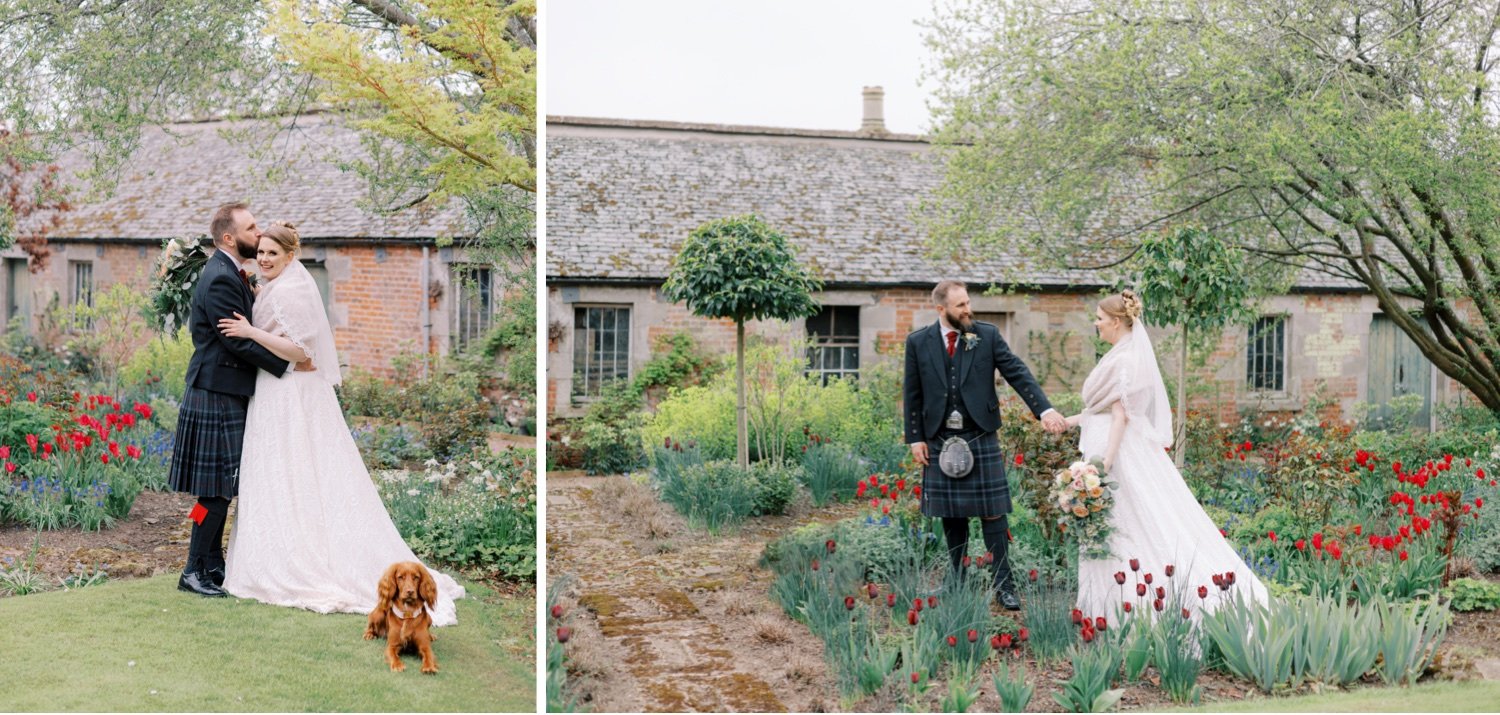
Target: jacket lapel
<point x="234" y="270"/>
<point x="938" y="350"/>
<point x="965" y="356"/>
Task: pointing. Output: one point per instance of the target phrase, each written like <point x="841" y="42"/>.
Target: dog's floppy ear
<point x="387" y="590"/>
<point x="428" y="589"/>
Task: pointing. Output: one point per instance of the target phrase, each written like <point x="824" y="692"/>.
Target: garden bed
<point x="665" y="617"/>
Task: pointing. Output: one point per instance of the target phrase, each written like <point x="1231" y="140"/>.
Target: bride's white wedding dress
<point x="1155" y="518"/>
<point x="311" y="531"/>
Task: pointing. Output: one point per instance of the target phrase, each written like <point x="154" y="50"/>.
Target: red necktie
<point x="245" y="278"/>
<point x="952" y="341"/>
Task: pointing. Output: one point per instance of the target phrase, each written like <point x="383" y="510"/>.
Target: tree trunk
<point x="742" y="442"/>
<point x="1178" y="448"/>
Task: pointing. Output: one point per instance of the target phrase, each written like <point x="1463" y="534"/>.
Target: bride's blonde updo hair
<point x="1125" y="305"/>
<point x="285" y="235"/>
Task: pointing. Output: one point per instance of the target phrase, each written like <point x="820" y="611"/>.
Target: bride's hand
<point x="237" y="327"/>
<point x="1109" y="464"/>
<point x="1074" y="420"/>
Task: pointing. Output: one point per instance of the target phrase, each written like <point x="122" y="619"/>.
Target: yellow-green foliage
<point x="164" y="357"/>
<point x="457" y="82"/>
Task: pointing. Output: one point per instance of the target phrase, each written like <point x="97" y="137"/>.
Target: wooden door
<point x="1397" y="367"/>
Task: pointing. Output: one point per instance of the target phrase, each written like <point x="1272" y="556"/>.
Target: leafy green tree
<point x="1195" y="281"/>
<point x="1352" y="140"/>
<point x="741" y="269"/>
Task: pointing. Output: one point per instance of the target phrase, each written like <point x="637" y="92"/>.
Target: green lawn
<point x="142" y="645"/>
<point x="1469" y="696"/>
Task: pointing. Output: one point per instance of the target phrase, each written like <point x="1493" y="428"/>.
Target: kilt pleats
<point x="206" y="449"/>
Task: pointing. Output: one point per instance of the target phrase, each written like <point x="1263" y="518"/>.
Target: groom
<point x="949" y="393"/>
<point x="220" y="380"/>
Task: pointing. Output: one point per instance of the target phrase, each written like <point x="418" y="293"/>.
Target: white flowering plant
<point x="477" y="513"/>
<point x="177" y="270"/>
<point x="1084" y="495"/>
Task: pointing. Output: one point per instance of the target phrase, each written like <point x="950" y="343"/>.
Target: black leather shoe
<point x="216" y="574"/>
<point x="1009" y="600"/>
<point x="199" y="582"/>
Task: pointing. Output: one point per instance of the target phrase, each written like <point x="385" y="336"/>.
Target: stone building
<point x="388" y="288"/>
<point x="622" y="196"/>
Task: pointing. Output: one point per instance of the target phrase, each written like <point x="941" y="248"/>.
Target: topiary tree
<point x="1193" y="280"/>
<point x="740" y="268"/>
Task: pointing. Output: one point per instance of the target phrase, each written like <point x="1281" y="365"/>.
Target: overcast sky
<point x="783" y="63"/>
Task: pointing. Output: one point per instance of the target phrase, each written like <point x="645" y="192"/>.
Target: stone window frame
<point x="846" y="344"/>
<point x="584" y="391"/>
<point x="1253" y="352"/>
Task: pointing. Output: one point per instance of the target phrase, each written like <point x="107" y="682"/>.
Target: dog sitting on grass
<point x="406" y="593"/>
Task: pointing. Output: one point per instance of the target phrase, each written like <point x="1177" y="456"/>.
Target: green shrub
<point x="712" y="495"/>
<point x="832" y="472"/>
<point x="774" y="487"/>
<point x="444" y="409"/>
<point x="608" y="432"/>
<point x="159" y="367"/>
<point x="1467" y="594"/>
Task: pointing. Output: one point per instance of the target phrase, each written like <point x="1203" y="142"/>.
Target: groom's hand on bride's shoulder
<point x="305" y="366"/>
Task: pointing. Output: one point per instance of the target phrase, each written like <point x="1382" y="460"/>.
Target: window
<point x="1266" y="367"/>
<point x="319" y="272"/>
<point x="476" y="303"/>
<point x="834" y="333"/>
<point x="81" y="293"/>
<point x="601" y="348"/>
<point x="17" y="292"/>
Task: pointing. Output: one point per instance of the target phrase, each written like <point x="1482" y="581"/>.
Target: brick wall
<point x="1326" y="348"/>
<point x="375" y="292"/>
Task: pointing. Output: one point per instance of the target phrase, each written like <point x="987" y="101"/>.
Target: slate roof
<point x="622" y="195"/>
<point x="181" y="172"/>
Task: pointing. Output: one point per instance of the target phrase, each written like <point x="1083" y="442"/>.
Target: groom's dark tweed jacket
<point x="221" y="363"/>
<point x="984" y="492"/>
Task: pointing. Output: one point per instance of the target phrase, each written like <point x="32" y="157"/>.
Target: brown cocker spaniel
<point x="407" y="591"/>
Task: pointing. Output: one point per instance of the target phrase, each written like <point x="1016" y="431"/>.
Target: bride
<point x="1161" y="537"/>
<point x="311" y="531"/>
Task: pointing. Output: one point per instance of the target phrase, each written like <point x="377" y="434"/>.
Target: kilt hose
<point x="984" y="491"/>
<point x="210" y="438"/>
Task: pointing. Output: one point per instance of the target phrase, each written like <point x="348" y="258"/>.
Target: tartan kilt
<point x="983" y="492"/>
<point x="206" y="449"/>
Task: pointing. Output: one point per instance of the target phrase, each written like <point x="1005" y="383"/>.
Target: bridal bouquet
<point x="1084" y="493"/>
<point x="177" y="269"/>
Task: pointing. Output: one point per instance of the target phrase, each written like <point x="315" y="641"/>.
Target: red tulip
<point x="1135" y="564"/>
<point x="1077" y="616"/>
<point x="10" y="467"/>
<point x="1023" y="635"/>
<point x="1147" y="579"/>
<point x="31" y="441"/>
<point x="1219" y="580"/>
<point x="564" y="633"/>
<point x="966" y="562"/>
<point x="1127" y="607"/>
<point x="1140" y="589"/>
<point x="996" y="642"/>
<point x="815" y="565"/>
<point x="1032" y="575"/>
<point x="1100" y="623"/>
<point x="1170" y="569"/>
<point x="932" y="601"/>
<point x="916" y="678"/>
<point x="133" y="451"/>
<point x="952" y="641"/>
<point x="1229" y="578"/>
<point x="1301" y="544"/>
<point x="916" y="491"/>
<point x="1358" y="529"/>
<point x="1335" y="551"/>
<point x="849" y="602"/>
<point x="1158" y="605"/>
<point x="973" y="635"/>
<point x="916" y="605"/>
<point x="890" y="600"/>
<point x="557" y="610"/>
<point x="1403" y="555"/>
<point x="31" y="396"/>
<point x="1161" y="592"/>
<point x="1088" y="635"/>
<point x="1202" y="592"/>
<point x="1120" y="577"/>
<point x="911" y="618"/>
<point x="870" y="587"/>
<point x="830" y="545"/>
<point x="1318" y="541"/>
<point x="1185" y="614"/>
<point x="1019" y="459"/>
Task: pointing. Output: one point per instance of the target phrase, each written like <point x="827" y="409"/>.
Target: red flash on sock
<point x="197" y="514"/>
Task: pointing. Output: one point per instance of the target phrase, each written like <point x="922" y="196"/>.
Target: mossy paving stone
<point x="675" y="621"/>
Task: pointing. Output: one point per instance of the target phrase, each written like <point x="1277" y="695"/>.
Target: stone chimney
<point x="874" y="121"/>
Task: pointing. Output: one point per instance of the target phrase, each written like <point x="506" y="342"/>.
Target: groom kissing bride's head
<point x="234" y="230"/>
<point x="952" y="298"/>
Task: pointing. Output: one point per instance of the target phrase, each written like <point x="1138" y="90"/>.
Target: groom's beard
<point x="247" y="251"/>
<point x="962" y="323"/>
